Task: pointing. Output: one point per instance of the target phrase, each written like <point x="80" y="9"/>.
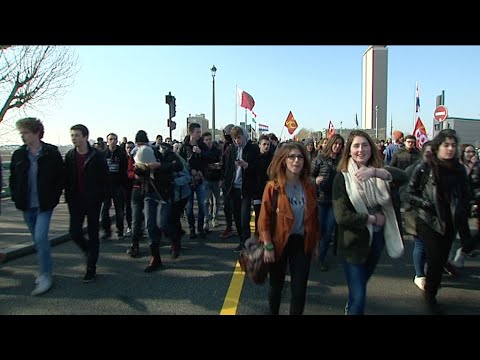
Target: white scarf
<point x="370" y="193"/>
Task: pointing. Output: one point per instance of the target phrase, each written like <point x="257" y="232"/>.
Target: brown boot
<point x="155" y="260"/>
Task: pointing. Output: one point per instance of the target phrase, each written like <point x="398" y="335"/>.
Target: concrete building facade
<point x="200" y="119"/>
<point x="468" y="130"/>
<point x="374" y="89"/>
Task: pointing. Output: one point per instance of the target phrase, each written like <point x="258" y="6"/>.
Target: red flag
<point x="420" y="133"/>
<point x="245" y="100"/>
<point x="291" y="123"/>
<point x="331" y="130"/>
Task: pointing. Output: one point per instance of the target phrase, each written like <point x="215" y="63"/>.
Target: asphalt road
<point x="198" y="281"/>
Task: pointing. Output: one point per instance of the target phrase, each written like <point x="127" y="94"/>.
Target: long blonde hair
<point x="375" y="159"/>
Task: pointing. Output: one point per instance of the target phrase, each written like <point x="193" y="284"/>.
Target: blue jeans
<point x="357" y="276"/>
<point x="419" y="257"/>
<point x="38" y="223"/>
<point x="150" y="202"/>
<point x="200" y="191"/>
<point x="212" y="187"/>
<point x="327" y="226"/>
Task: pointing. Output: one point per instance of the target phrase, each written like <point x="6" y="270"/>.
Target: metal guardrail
<point x="4" y="190"/>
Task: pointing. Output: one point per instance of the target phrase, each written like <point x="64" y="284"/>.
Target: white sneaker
<point x="459" y="260"/>
<point x="214" y="223"/>
<point x="205" y="226"/>
<point x="420" y="282"/>
<point x="43" y="283"/>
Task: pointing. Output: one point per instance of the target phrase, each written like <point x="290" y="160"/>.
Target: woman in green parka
<point x="367" y="220"/>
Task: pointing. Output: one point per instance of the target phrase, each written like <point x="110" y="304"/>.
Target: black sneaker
<point x="450" y="269"/>
<point x="106" y="236"/>
<point x="89" y="276"/>
<point x="323" y="266"/>
<point x="202" y="235"/>
<point x="238" y="248"/>
<point x="133" y="251"/>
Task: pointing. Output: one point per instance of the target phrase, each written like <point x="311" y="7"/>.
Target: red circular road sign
<point x="440" y="113"/>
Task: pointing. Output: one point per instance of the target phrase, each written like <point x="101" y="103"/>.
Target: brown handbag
<point x="251" y="256"/>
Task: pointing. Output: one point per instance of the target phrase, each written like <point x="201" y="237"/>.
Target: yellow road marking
<point x="232" y="298"/>
<point x="234" y="290"/>
<point x="252" y="222"/>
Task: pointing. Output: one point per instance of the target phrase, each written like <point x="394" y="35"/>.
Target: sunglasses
<point x="293" y="157"/>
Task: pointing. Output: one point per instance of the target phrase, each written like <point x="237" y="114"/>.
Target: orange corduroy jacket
<point x="285" y="220"/>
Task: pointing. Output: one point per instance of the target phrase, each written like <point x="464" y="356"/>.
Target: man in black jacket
<point x="36" y="183"/>
<point x="240" y="180"/>
<point x="117" y="176"/>
<point x="86" y="186"/>
<point x="198" y="156"/>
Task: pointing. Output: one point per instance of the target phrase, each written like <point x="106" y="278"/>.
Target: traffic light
<point x="170" y="100"/>
<point x="171" y="124"/>
<point x="173" y="110"/>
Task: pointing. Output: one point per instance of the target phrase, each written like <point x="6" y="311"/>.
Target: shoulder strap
<point x="274" y="212"/>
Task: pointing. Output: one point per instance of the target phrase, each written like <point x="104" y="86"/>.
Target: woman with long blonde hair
<point x="365" y="215"/>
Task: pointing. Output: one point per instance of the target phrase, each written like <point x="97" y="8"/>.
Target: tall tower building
<point x="200" y="119"/>
<point x="374" y="89"/>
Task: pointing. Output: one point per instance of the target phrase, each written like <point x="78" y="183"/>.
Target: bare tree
<point x="304" y="133"/>
<point x="31" y="76"/>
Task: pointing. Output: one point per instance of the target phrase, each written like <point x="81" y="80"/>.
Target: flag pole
<point x="391" y="125"/>
<point x="236" y="103"/>
<point x="415" y="104"/>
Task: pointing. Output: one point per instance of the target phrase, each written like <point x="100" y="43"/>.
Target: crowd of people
<point x="357" y="196"/>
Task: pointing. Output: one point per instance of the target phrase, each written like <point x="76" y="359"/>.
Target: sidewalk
<point x="15" y="239"/>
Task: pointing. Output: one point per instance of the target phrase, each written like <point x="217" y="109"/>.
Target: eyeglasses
<point x="470" y="151"/>
<point x="293" y="157"/>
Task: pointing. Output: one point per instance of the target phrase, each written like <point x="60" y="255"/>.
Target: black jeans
<point x="128" y="204"/>
<point x="437" y="248"/>
<point x="257" y="208"/>
<point x="79" y="208"/>
<point x="174" y="227"/>
<point x="299" y="263"/>
<point x="242" y="212"/>
<point x="118" y="196"/>
<point x="227" y="208"/>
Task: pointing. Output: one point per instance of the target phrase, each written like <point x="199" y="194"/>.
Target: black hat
<point x="141" y="137"/>
<point x="227" y="129"/>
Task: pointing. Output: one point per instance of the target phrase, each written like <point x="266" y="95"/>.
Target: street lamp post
<point x="376" y="121"/>
<point x="213" y="70"/>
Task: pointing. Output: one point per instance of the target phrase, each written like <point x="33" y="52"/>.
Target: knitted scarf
<point x="371" y="193"/>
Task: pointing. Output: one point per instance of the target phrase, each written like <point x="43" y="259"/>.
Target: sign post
<point x="440" y="113"/>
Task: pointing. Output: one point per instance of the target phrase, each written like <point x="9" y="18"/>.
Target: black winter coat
<point x="50" y="177"/>
<point x="96" y="176"/>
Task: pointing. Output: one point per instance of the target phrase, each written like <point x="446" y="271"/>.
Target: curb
<point x="16" y="251"/>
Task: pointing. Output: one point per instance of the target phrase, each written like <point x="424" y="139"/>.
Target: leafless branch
<point x="34" y="75"/>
